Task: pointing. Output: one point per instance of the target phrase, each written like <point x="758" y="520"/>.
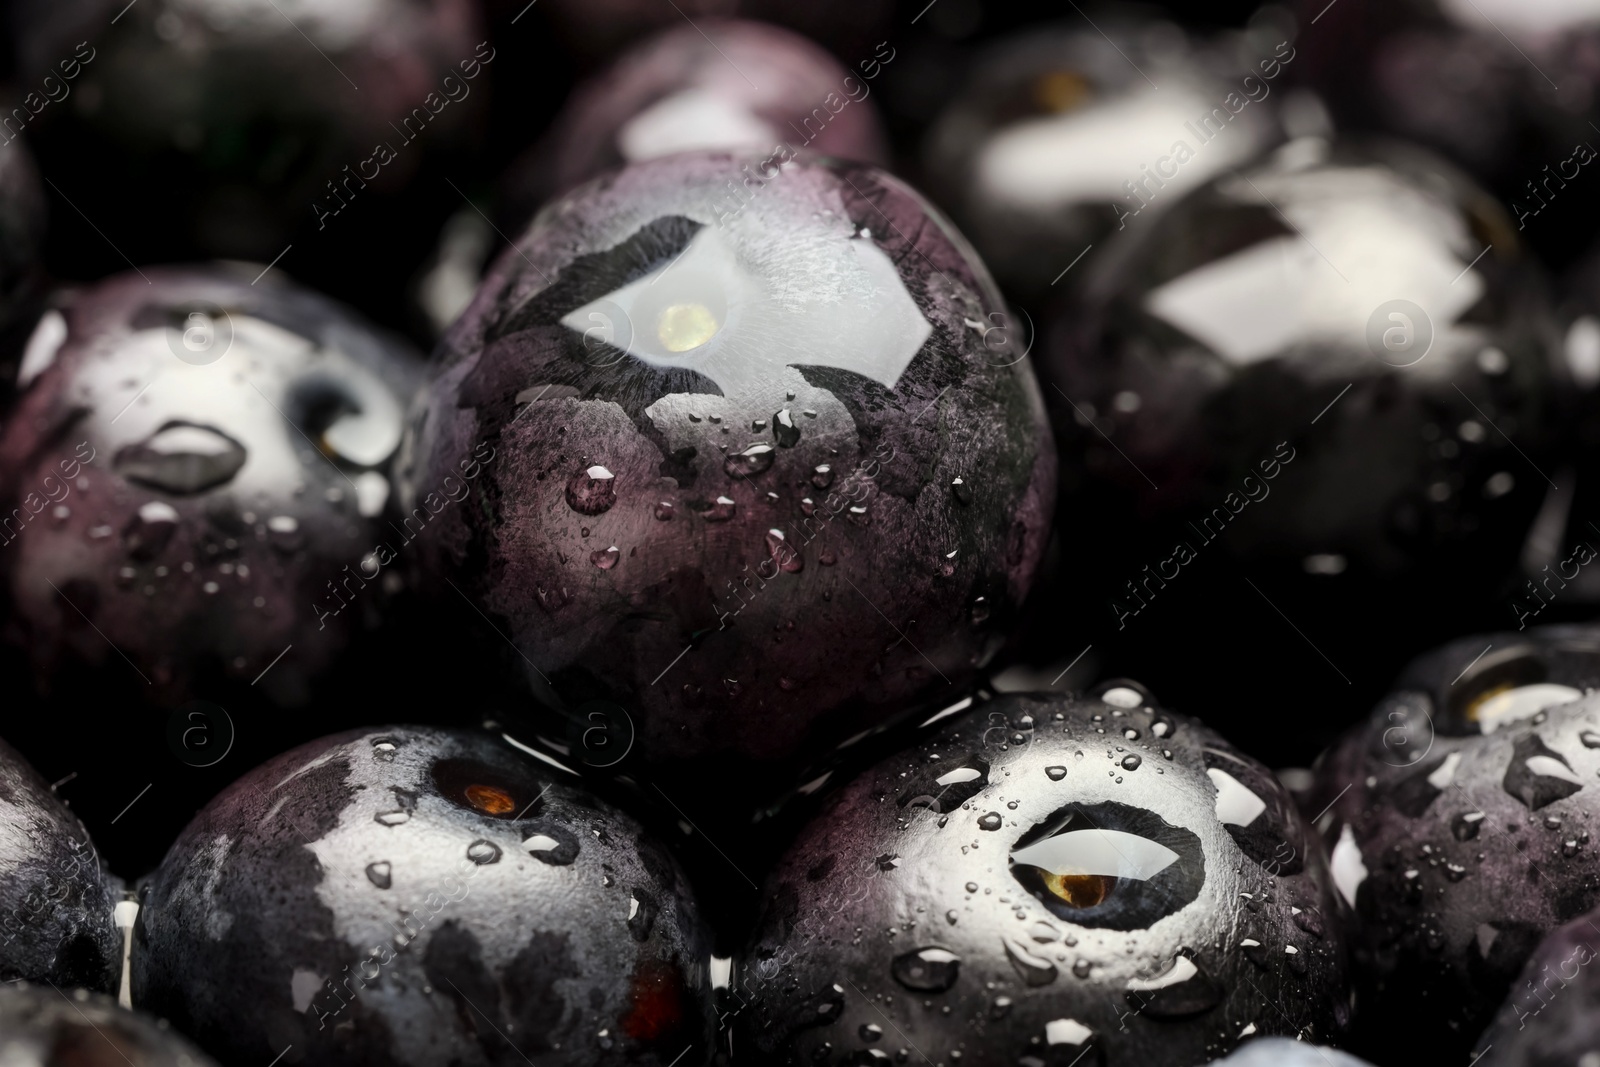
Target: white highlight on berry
<point x="43" y="345"/>
<point x="1236" y="804"/>
<point x="1066" y="1032"/>
<point x="847" y="309"/>
<point x="1445" y="773"/>
<point x="1523" y="702"/>
<point x="1108" y="853"/>
<point x="1181" y="971"/>
<point x="1347" y="866"/>
<point x="692" y="120"/>
<point x="1382" y="235"/>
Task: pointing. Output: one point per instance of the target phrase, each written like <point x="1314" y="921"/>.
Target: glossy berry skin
<point x="768" y="471"/>
<point x="194" y="475"/>
<point x="1458" y="818"/>
<point x="1548" y="1018"/>
<point x="1300" y="377"/>
<point x="56" y="901"/>
<point x="682" y="90"/>
<point x="1506" y="90"/>
<point x="1047" y="876"/>
<point x="1049" y="147"/>
<point x="1179" y="326"/>
<point x="1287" y="1052"/>
<point x="43" y="1027"/>
<point x="240" y="130"/>
<point x="598" y="29"/>
<point x="422" y="897"/>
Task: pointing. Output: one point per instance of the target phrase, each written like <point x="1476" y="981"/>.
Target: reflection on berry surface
<point x="685" y="90"/>
<point x="55" y="897"/>
<point x="195" y="472"/>
<point x="422" y="897"/>
<point x="769" y="467"/>
<point x="1459" y="819"/>
<point x="1049" y="877"/>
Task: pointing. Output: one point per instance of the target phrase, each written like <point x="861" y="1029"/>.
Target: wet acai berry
<point x="1549" y="1015"/>
<point x="1153" y="913"/>
<point x="1205" y="393"/>
<point x="1287" y="1052"/>
<point x="683" y="89"/>
<point x="418" y="896"/>
<point x="601" y="28"/>
<point x="241" y="130"/>
<point x="765" y="453"/>
<point x="1058" y="142"/>
<point x="193" y="480"/>
<point x="1328" y="376"/>
<point x="1458" y="820"/>
<point x="56" y="900"/>
<point x="1506" y="89"/>
<point x="45" y="1027"/>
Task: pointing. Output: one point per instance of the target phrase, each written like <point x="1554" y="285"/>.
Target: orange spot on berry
<point x="489" y="800"/>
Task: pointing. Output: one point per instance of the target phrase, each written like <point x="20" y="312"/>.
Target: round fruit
<point x="1331" y="376"/>
<point x="52" y="1028"/>
<point x="1059" y="142"/>
<point x="427" y="897"/>
<point x="1549" y="1016"/>
<point x="769" y="469"/>
<point x="594" y="29"/>
<point x="240" y="129"/>
<point x="686" y="89"/>
<point x="56" y="902"/>
<point x="1286" y="1052"/>
<point x="1048" y="877"/>
<point x="194" y="476"/>
<point x="1505" y="88"/>
<point x="1234" y="326"/>
<point x="1459" y="818"/>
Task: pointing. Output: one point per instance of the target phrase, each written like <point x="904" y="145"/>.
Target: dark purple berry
<point x="1060" y="141"/>
<point x="1041" y="899"/>
<point x="193" y="479"/>
<point x="422" y="896"/>
<point x="1505" y="90"/>
<point x="1548" y="1017"/>
<point x="1459" y="819"/>
<point x="719" y="84"/>
<point x="56" y="900"/>
<point x="191" y="129"/>
<point x="716" y="429"/>
<point x="1315" y="390"/>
